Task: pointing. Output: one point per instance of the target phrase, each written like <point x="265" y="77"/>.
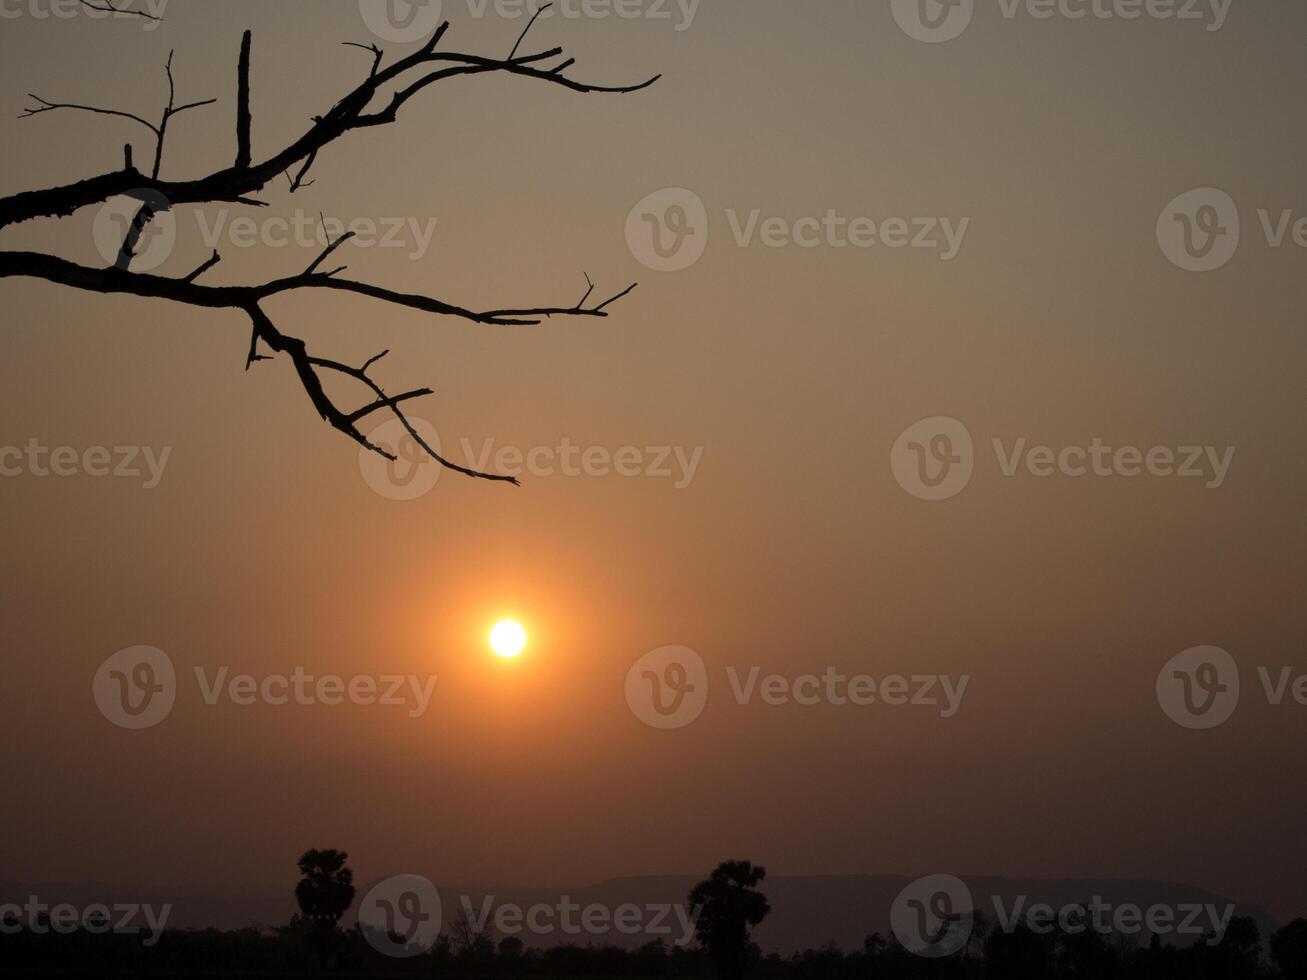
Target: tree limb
<point x="108" y="7"/>
<point x="246" y="177"/>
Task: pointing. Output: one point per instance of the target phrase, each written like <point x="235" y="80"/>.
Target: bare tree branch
<point x="377" y="54"/>
<point x="243" y="123"/>
<point x="245" y="177"/>
<point x="346" y="115"/>
<point x="526" y="30"/>
<point x="160" y="130"/>
<point x="108" y="7"/>
<point x="45" y="105"/>
<point x="330" y="247"/>
<point x="208" y="264"/>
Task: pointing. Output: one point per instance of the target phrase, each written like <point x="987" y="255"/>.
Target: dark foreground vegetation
<point x="730" y="905"/>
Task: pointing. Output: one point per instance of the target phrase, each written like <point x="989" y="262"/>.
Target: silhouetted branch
<point x="346" y="115"/>
<point x="377" y="54"/>
<point x="243" y="122"/>
<point x="36" y="265"/>
<point x="526" y="30"/>
<point x="108" y="7"/>
<point x="160" y="130"/>
<point x="307" y="367"/>
<point x="47" y="106"/>
<point x="246" y="177"/>
<point x="247" y="298"/>
<point x="298" y="180"/>
<point x="329" y="249"/>
<point x="127" y="251"/>
<point x="208" y="264"/>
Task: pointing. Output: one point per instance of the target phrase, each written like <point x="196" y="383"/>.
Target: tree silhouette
<point x="472" y="941"/>
<point x="1289" y="948"/>
<point x="324" y="893"/>
<point x="1019" y="953"/>
<point x="729" y="905"/>
<point x="376" y="101"/>
<point x="1239" y="952"/>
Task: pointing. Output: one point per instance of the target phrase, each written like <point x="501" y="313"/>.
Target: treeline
<point x="729" y="903"/>
<point x="294" y="950"/>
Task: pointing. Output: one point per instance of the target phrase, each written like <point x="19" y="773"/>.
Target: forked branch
<point x="409" y="76"/>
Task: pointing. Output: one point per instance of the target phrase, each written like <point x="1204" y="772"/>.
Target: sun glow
<point x="507" y="638"/>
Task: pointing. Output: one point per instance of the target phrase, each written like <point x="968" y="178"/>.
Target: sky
<point x="769" y="516"/>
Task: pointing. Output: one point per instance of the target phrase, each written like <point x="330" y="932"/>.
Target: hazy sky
<point x="1059" y="142"/>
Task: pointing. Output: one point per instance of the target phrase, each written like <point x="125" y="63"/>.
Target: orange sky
<point x="792" y="548"/>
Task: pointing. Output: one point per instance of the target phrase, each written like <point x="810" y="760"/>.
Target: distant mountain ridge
<point x="808" y="911"/>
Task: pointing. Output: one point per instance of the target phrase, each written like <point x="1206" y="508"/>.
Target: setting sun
<point x="507" y="638"/>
